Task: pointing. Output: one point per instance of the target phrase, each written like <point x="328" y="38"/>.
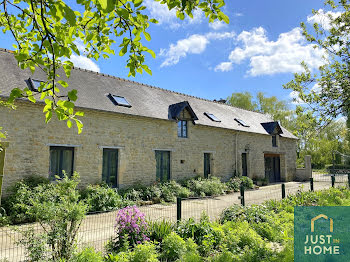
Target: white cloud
<point x="323" y="18"/>
<point x="224" y="67"/>
<point x="271" y="57"/>
<point x="217" y="25"/>
<point x="220" y="36"/>
<point x="238" y="14"/>
<point x="168" y="17"/>
<point x="194" y="44"/>
<point x="294" y="96"/>
<point x="84" y="62"/>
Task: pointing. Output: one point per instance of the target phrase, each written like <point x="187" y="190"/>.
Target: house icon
<point x="318" y="217"/>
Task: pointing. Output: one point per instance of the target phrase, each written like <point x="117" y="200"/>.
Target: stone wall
<point x="304" y="174"/>
<point x="136" y="138"/>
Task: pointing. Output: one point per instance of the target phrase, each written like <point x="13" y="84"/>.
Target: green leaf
<point x="79" y="125"/>
<point x="137" y="3"/>
<point x="69" y="123"/>
<point x="103" y="4"/>
<point x="72" y="95"/>
<point x="147" y="36"/>
<point x="224" y="18"/>
<point x="63" y="83"/>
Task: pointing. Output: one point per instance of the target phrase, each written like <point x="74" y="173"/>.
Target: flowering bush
<point x="131" y="229"/>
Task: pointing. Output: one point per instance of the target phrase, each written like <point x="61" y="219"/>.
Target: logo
<point x="318" y="217"/>
<point x="321" y="234"/>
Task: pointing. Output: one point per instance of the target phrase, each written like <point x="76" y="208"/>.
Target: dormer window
<point x="182" y="128"/>
<point x="241" y="122"/>
<point x="212" y="117"/>
<point x="35" y="84"/>
<point x="119" y="100"/>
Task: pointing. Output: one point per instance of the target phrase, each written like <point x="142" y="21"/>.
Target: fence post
<point x="178" y="209"/>
<point x="242" y="195"/>
<point x="311" y="183"/>
<point x="283" y="191"/>
<point x="349" y="180"/>
<point x="333" y="180"/>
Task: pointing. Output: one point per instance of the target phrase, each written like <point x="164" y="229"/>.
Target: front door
<point x="110" y="167"/>
<point x="207" y="167"/>
<point x="272" y="168"/>
<point x="244" y="165"/>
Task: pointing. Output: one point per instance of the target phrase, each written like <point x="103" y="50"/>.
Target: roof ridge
<point x="151" y="86"/>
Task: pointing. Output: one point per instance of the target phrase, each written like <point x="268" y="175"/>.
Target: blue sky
<point x="258" y="51"/>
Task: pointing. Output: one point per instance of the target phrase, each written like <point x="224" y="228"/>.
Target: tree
<point x="242" y="100"/>
<point x="277" y="109"/>
<point x="46" y="31"/>
<point x="327" y="91"/>
<point x="302" y="123"/>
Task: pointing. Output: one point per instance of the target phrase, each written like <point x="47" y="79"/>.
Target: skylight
<point x="241" y="122"/>
<point x="35" y="84"/>
<point x="212" y="117"/>
<point x="120" y="100"/>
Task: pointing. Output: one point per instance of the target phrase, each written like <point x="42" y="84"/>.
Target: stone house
<point x="136" y="133"/>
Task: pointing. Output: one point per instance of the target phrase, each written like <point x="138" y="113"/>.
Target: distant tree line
<point x="319" y="142"/>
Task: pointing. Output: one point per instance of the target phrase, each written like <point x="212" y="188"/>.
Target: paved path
<point x="97" y="229"/>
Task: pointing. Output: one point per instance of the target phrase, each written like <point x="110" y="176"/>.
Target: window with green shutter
<point x="61" y="159"/>
<point x="110" y="167"/>
<point x="162" y="166"/>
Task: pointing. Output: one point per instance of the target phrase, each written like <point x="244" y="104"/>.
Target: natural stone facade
<point x="136" y="138"/>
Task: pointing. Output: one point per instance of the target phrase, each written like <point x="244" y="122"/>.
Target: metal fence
<point x="98" y="228"/>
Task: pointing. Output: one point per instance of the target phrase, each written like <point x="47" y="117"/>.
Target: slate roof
<point x="147" y="101"/>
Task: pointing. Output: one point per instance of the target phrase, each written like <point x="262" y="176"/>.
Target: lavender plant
<point x="131" y="229"/>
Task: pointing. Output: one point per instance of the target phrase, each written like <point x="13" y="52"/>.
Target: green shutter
<point x="110" y="167"/>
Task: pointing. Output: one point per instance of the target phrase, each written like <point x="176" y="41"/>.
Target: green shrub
<point x="207" y="187"/>
<point x="152" y="193"/>
<point x="234" y="184"/>
<point x="131" y="194"/>
<point x="145" y="253"/>
<point x="225" y="256"/>
<point x="17" y="203"/>
<point x="58" y="209"/>
<point x="247" y="182"/>
<point x="158" y="230"/>
<point x="35" y="180"/>
<point x="252" y="214"/>
<point x="173" y="247"/>
<point x="208" y="236"/>
<point x="102" y="198"/>
<point x="88" y="255"/>
<point x="171" y="190"/>
<point x="142" y="253"/>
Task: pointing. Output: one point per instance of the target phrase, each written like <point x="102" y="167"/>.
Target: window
<point x="274" y="140"/>
<point x="207" y="165"/>
<point x="35" y="84"/>
<point x="162" y="166"/>
<point x="182" y="128"/>
<point x="110" y="167"/>
<point x="61" y="159"/>
<point x="212" y="117"/>
<point x="119" y="100"/>
<point x="241" y="122"/>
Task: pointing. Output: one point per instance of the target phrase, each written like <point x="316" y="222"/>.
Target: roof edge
<point x="151" y="86"/>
